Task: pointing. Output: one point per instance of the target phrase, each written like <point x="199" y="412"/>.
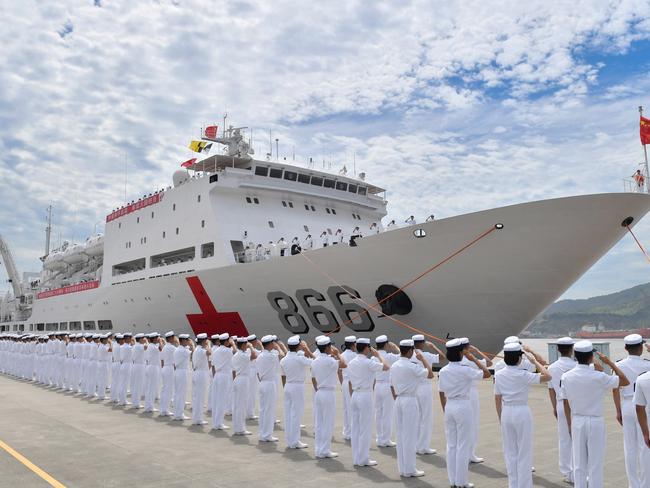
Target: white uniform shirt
<point x="324" y="369"/>
<point x="642" y="391"/>
<point x="70" y="349"/>
<point x="167" y="354"/>
<point x="103" y="356"/>
<point x="221" y="359"/>
<point x="267" y="365"/>
<point x="362" y="372"/>
<point x="585" y="388"/>
<point x="513" y="383"/>
<point x="294" y="366"/>
<point x="182" y="357"/>
<point x="200" y="359"/>
<point x="633" y="367"/>
<point x="115" y="355"/>
<point x="389" y="358"/>
<point x="557" y="369"/>
<point x="348" y="355"/>
<point x="138" y="354"/>
<point x="431" y="359"/>
<point x="241" y="362"/>
<point x="456" y="380"/>
<point x="152" y="355"/>
<point x="405" y="377"/>
<point x="126" y="353"/>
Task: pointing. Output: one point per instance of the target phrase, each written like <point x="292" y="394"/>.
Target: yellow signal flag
<point x="199" y="146"/>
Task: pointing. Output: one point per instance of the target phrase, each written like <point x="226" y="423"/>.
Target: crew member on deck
<point x="167" y="373"/>
<point x="639" y="179"/>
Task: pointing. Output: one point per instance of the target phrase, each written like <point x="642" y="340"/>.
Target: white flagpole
<point x="645" y="153"/>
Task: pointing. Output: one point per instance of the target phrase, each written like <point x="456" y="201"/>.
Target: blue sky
<point x="526" y="100"/>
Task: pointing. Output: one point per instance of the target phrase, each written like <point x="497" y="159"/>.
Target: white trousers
<point x="102" y="378"/>
<point x="476" y="420"/>
<point x="347" y="413"/>
<point x="588" y="441"/>
<point x="517" y="437"/>
<point x="200" y="381"/>
<point x="362" y="408"/>
<point x="324" y="417"/>
<point x="425" y="404"/>
<point x="384" y="403"/>
<point x="125" y="378"/>
<point x="253" y="384"/>
<point x="152" y="384"/>
<point x="268" y="399"/>
<point x="637" y="455"/>
<point x="137" y="383"/>
<point x="115" y="381"/>
<point x="294" y="407"/>
<point x="565" y="453"/>
<point x="240" y="403"/>
<point x="406" y="410"/>
<point x="180" y="392"/>
<point x="221" y="386"/>
<point x="459" y="427"/>
<point x="167" y="391"/>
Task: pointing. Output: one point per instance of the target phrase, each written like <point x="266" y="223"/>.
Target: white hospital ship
<point x="214" y="253"/>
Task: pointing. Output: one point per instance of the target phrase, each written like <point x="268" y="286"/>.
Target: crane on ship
<point x="12" y="271"/>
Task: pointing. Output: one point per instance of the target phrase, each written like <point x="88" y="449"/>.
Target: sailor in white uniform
<point x="267" y="367"/>
<point x="362" y="372"/>
<point x="167" y="373"/>
<point x="182" y="357"/>
<point x="324" y="372"/>
<point x="384" y="401"/>
<point x="563" y="364"/>
<point x="348" y="355"/>
<point x="241" y="363"/>
<point x="115" y="368"/>
<point x="152" y="372"/>
<point x="126" y="354"/>
<point x="456" y="381"/>
<point x="69" y="361"/>
<point x="511" y="385"/>
<point x="405" y="378"/>
<point x="642" y="402"/>
<point x="138" y="370"/>
<point x="325" y="240"/>
<point x="410" y="221"/>
<point x="200" y="377"/>
<point x="104" y="351"/>
<point x="293" y="368"/>
<point x="525" y="363"/>
<point x="425" y="396"/>
<point x="222" y="380"/>
<point x="638" y="474"/>
<point x="253" y="382"/>
<point x="583" y="390"/>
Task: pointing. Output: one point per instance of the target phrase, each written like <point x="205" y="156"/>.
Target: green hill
<point x="627" y="309"/>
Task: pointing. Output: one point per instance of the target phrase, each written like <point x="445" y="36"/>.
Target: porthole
<point x="419" y="233"/>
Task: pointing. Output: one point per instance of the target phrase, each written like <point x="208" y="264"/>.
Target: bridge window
<point x="207" y="250"/>
<point x="63" y="326"/>
<point x="362" y="190"/>
<point x="214" y="178"/>
<point x="261" y="170"/>
<point x="352" y="188"/>
<point x="40" y="327"/>
<point x="341" y="185"/>
<point x="173" y="257"/>
<point x="303" y="178"/>
<point x="75" y="325"/>
<point x="51" y="326"/>
<point x="275" y="173"/>
<point x="328" y="183"/>
<point x="290" y="175"/>
<point x="89" y="325"/>
<point x="105" y="325"/>
<point x="317" y="181"/>
<point x="129" y="267"/>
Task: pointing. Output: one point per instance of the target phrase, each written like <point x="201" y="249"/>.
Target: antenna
<point x="225" y="116"/>
<point x="48" y="230"/>
<point x="126" y="167"/>
<point x="277" y="149"/>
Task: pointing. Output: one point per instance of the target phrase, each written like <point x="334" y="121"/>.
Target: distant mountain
<point x="623" y="310"/>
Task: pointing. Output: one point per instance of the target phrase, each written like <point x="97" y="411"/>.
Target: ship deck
<point x="83" y="443"/>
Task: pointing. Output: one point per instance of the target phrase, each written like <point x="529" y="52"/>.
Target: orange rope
<point x="638" y="243"/>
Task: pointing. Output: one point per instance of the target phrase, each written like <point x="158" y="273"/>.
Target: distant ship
<point x="612" y="334"/>
<point x="243" y="245"/>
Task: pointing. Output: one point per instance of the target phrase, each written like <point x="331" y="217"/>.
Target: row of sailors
<point x="391" y="381"/>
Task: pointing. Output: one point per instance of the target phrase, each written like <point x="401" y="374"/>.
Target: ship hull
<point x="491" y="289"/>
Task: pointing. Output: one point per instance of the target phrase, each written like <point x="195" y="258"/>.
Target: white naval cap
<point x="117" y="336"/>
<point x="633" y="340"/>
<point x="463" y="340"/>
<point x="512" y="347"/>
<point x="293" y="340"/>
<point x="406" y="343"/>
<point x="252" y="337"/>
<point x="242" y="340"/>
<point x="139" y="335"/>
<point x="127" y="334"/>
<point x="351" y="339"/>
<point x="363" y="340"/>
<point x="565" y="341"/>
<point x="224" y="337"/>
<point x="153" y="335"/>
<point x="453" y="343"/>
<point x="96" y="336"/>
<point x="381" y="339"/>
<point x="267" y="338"/>
<point x="184" y="336"/>
<point x="583" y="346"/>
<point x="418" y="338"/>
<point x="87" y="335"/>
<point x="169" y="334"/>
<point x="201" y="336"/>
<point x="323" y="340"/>
<point x="511" y="339"/>
<point x="215" y="337"/>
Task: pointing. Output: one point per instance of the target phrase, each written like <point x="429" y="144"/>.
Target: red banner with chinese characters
<point x="145" y="202"/>
<point x="66" y="290"/>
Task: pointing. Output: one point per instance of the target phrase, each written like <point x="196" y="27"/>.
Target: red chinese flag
<point x="644" y="130"/>
<point x="188" y="163"/>
<point x="210" y="132"/>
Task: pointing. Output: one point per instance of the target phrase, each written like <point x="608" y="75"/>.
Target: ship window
<point x="75" y="325"/>
<point x="341" y="185"/>
<point x="129" y="267"/>
<point x="306" y="207"/>
<point x="51" y="326"/>
<point x="284" y="204"/>
<point x="358" y="216"/>
<point x="198" y="199"/>
<point x="317" y="181"/>
<point x="176" y="230"/>
<point x="290" y="175"/>
<point x="327" y="210"/>
<point x="313" y="209"/>
<point x="31" y="327"/>
<point x="248" y="200"/>
<point x="63" y="326"/>
<point x="173" y="257"/>
<point x="362" y="190"/>
<point x="202" y="224"/>
<point x="334" y="211"/>
<point x="21" y="327"/>
<point x="352" y="188"/>
<point x="207" y="250"/>
<point x="89" y="325"/>
<point x="137" y="221"/>
<point x="152" y="215"/>
<point x="306" y="228"/>
<point x="257" y="202"/>
<point x="174" y="207"/>
<point x="328" y="183"/>
<point x="354" y="216"/>
<point x="261" y="170"/>
<point x="145" y="240"/>
<point x="271" y="225"/>
<point x="303" y="178"/>
<point x="275" y="173"/>
<point x="214" y="178"/>
<point x="105" y="325"/>
<point x="164" y="233"/>
<point x="291" y="204"/>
